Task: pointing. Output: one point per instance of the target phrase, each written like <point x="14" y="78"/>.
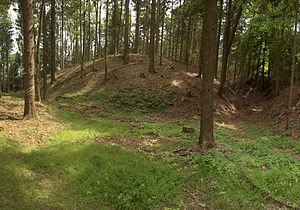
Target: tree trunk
<point x="288" y="122"/>
<point x="96" y="36"/>
<point x="162" y="32"/>
<point x="100" y="31"/>
<point x="210" y="24"/>
<point x="38" y="54"/>
<point x="152" y="36"/>
<point x="53" y="42"/>
<point x="62" y="57"/>
<point x="219" y="36"/>
<point x="137" y="26"/>
<point x="45" y="57"/>
<point x="28" y="56"/>
<point x="105" y="44"/>
<point x="114" y="28"/>
<point x="228" y="38"/>
<point x="126" y="34"/>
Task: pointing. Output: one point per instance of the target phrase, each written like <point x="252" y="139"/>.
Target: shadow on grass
<point x="81" y="176"/>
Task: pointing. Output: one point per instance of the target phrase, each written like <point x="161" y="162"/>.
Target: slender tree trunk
<point x="105" y="45"/>
<point x="126" y="34"/>
<point x="96" y="36"/>
<point x="170" y="33"/>
<point x="258" y="67"/>
<point x="45" y="57"/>
<point x="263" y="68"/>
<point x="137" y="26"/>
<point x="219" y="36"/>
<point x="188" y="42"/>
<point x="162" y="32"/>
<point x="157" y="18"/>
<point x="83" y="36"/>
<point x="28" y="56"/>
<point x="120" y="26"/>
<point x="88" y="34"/>
<point x="38" y="54"/>
<point x="114" y="28"/>
<point x="228" y="39"/>
<point x="62" y="57"/>
<point x="100" y="31"/>
<point x="288" y="122"/>
<point x="210" y="24"/>
<point x="152" y="36"/>
<point x="53" y="42"/>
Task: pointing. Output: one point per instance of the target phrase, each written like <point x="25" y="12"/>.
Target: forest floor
<point x="121" y="146"/>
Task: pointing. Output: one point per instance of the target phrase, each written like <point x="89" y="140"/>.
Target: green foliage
<point x="132" y="99"/>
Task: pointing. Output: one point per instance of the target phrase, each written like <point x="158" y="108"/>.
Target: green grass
<point x="78" y="128"/>
<point x="71" y="172"/>
<point x="84" y="176"/>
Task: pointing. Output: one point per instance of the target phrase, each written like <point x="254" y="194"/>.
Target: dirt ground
<point x="29" y="132"/>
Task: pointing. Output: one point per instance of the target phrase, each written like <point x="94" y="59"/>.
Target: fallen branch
<point x="248" y="93"/>
<point x="169" y="67"/>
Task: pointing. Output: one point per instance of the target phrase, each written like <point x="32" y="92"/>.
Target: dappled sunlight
<point x="227" y="125"/>
<point x="177" y="83"/>
<point x="191" y="74"/>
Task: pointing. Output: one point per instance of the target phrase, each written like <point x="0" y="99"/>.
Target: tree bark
<point x="229" y="33"/>
<point x="96" y="35"/>
<point x="152" y="37"/>
<point x="62" y="57"/>
<point x="288" y="122"/>
<point x="210" y="24"/>
<point x="105" y="44"/>
<point x="126" y="34"/>
<point x="219" y="36"/>
<point x="45" y="57"/>
<point x="137" y="26"/>
<point x="53" y="42"/>
<point x="162" y="32"/>
<point x="28" y="56"/>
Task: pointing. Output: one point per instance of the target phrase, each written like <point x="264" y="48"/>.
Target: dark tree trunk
<point x="28" y="56"/>
<point x="209" y="63"/>
<point x="126" y="34"/>
<point x="162" y="32"/>
<point x="45" y="57"/>
<point x="137" y="26"/>
<point x="219" y="36"/>
<point x="53" y="42"/>
<point x="105" y="44"/>
<point x="152" y="36"/>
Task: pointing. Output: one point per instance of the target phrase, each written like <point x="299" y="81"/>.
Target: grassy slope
<point x="72" y="171"/>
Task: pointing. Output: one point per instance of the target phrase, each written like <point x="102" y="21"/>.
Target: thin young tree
<point x="137" y="26"/>
<point x="96" y="33"/>
<point x="162" y="32"/>
<point x="28" y="56"/>
<point x="45" y="56"/>
<point x="126" y="34"/>
<point x="53" y="41"/>
<point x="62" y="57"/>
<point x="288" y="122"/>
<point x="105" y="42"/>
<point x="152" y="37"/>
<point x="209" y="63"/>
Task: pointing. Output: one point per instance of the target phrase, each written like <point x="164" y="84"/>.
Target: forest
<point x="153" y="104"/>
